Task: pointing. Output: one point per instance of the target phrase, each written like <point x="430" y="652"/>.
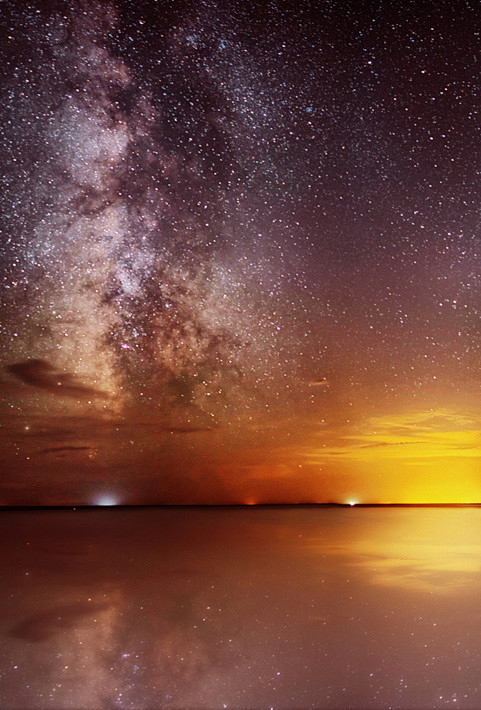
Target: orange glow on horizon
<point x="431" y="456"/>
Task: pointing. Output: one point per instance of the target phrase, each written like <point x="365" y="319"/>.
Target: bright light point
<point x="352" y="502"/>
<point x="106" y="500"/>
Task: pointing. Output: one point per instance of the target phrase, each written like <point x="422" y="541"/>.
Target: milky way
<point x="222" y="217"/>
<point x="125" y="265"/>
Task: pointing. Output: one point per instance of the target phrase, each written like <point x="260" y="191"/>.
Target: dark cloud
<point x="41" y="374"/>
<point x="184" y="429"/>
<point x="61" y="449"/>
<point x="40" y="627"/>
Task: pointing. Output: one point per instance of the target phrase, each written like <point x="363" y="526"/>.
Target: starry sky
<point x="239" y="252"/>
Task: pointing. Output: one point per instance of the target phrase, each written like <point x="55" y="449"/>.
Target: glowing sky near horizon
<point x="240" y="252"/>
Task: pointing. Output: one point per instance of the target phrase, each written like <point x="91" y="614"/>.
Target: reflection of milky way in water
<point x="241" y="608"/>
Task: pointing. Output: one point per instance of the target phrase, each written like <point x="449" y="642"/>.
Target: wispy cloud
<point x="319" y="383"/>
<point x="411" y="435"/>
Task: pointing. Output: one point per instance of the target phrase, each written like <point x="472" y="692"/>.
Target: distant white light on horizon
<point x="106" y="500"/>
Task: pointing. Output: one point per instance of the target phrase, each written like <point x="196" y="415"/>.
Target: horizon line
<point x="97" y="506"/>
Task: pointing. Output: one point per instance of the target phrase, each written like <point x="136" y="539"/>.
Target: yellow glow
<point x="431" y="456"/>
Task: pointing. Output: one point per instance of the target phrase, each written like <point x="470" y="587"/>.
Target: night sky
<point x="240" y="252"/>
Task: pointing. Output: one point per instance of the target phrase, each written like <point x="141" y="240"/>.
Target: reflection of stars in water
<point x="244" y="608"/>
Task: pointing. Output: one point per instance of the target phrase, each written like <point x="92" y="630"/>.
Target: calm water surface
<point x="241" y="608"/>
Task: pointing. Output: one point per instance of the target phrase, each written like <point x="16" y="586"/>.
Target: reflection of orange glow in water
<point x="418" y="549"/>
<point x="432" y="456"/>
